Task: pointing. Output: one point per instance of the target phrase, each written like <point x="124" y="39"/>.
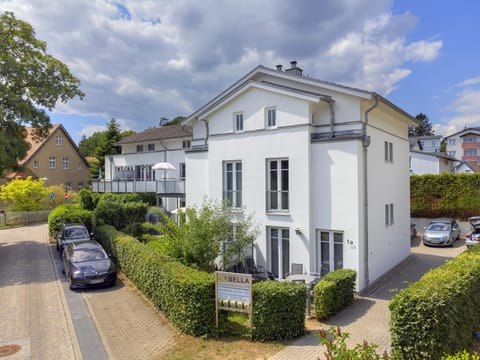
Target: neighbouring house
<point x="56" y="159"/>
<point x="464" y="145"/>
<point x="426" y="158"/>
<point x="134" y="169"/>
<point x="322" y="167"/>
<point x="463" y="168"/>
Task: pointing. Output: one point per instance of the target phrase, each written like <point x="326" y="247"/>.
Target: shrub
<point x="119" y="211"/>
<point x="438" y="314"/>
<point x="333" y="292"/>
<point x="186" y="295"/>
<point x="278" y="310"/>
<point x="69" y="213"/>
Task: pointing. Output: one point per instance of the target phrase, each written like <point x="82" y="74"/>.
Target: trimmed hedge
<point x="119" y="212"/>
<point x="437" y="315"/>
<point x="333" y="292"/>
<point x="278" y="310"/>
<point x="451" y="195"/>
<point x="68" y="213"/>
<point x="185" y="295"/>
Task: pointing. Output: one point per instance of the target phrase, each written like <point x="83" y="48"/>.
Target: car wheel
<point x="58" y="247"/>
<point x="70" y="283"/>
<point x="113" y="282"/>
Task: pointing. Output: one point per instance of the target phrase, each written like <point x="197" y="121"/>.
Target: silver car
<point x="473" y="237"/>
<point x="441" y="232"/>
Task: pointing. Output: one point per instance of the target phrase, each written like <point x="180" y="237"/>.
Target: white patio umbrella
<point x="163" y="166"/>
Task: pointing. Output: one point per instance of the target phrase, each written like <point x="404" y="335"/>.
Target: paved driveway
<point x="368" y="317"/>
<point x="48" y="321"/>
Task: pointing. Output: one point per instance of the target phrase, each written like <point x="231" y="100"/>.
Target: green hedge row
<point x="437" y="315"/>
<point x="184" y="294"/>
<point x="69" y="213"/>
<point x="452" y="195"/>
<point x="278" y="310"/>
<point x="187" y="296"/>
<point x="333" y="292"/>
<point x="119" y="211"/>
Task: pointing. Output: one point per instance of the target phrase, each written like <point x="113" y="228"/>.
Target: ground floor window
<point x="329" y="251"/>
<point x="278" y="250"/>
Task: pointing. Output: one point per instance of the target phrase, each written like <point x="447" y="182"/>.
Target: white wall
<point x="424" y="164"/>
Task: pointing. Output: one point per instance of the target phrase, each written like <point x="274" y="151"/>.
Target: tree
<point x="203" y="234"/>
<point x="31" y="80"/>
<point x="174" y="121"/>
<point x="25" y="194"/>
<point x="107" y="147"/>
<point x="423" y="129"/>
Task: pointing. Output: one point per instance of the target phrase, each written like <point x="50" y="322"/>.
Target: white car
<point x="473" y="237"/>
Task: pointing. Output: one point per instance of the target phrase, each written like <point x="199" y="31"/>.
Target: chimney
<point x="279" y="67"/>
<point x="294" y="69"/>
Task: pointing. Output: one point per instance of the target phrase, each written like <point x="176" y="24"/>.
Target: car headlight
<point x="76" y="273"/>
<point x="445" y="238"/>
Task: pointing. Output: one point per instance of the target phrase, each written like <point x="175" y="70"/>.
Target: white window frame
<point x="271" y="117"/>
<point x="389" y="214"/>
<point x="52" y="162"/>
<point x="232" y="183"/>
<point x="277" y="199"/>
<point x="66" y="162"/>
<point x="335" y="250"/>
<point x="280" y="266"/>
<point x="238" y="124"/>
<point x="59" y="140"/>
<point x="182" y="170"/>
<point x="388" y="151"/>
<point x="452" y="141"/>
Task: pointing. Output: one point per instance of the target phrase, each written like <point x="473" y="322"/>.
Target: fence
<point x="23" y="218"/>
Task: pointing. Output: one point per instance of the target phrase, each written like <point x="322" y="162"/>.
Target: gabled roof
<point x="436" y="154"/>
<point x="465" y="131"/>
<point x="248" y="80"/>
<point x="36" y="145"/>
<point x="463" y="163"/>
<point x="159" y="133"/>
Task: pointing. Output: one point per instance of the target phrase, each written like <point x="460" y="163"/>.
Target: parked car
<point x="86" y="264"/>
<point x="473" y="237"/>
<point x="413" y="231"/>
<point x="441" y="232"/>
<point x="71" y="232"/>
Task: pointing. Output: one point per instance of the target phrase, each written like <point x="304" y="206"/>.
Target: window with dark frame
<point x="232" y="183"/>
<point x="277" y="185"/>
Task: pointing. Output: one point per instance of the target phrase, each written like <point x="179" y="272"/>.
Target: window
<point x="182" y="171"/>
<point x="238" y="119"/>
<point x="66" y="162"/>
<point x="389" y="219"/>
<point x="452" y="153"/>
<point x="139" y="148"/>
<point x="58" y="140"/>
<point x="151" y="147"/>
<point x="452" y="141"/>
<point x="35" y="164"/>
<point x="469" y="139"/>
<point x="80" y="185"/>
<point x="232" y="183"/>
<point x="270" y="117"/>
<point x="186" y="144"/>
<point x="52" y="162"/>
<point x="277" y="184"/>
<point x="328" y="251"/>
<point x="278" y="251"/>
<point x="388" y="151"/>
<point x="470" y="152"/>
<point x="68" y="186"/>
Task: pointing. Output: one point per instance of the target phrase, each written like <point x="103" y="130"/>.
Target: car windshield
<point x="84" y="255"/>
<point x="438" y="227"/>
<point x="76" y="233"/>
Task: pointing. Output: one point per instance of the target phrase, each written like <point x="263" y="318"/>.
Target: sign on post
<point x="233" y="292"/>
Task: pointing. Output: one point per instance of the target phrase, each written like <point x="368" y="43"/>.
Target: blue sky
<point x="139" y="61"/>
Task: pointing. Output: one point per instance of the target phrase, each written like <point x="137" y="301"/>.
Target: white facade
<point x="431" y="163"/>
<point x="465" y="146"/>
<point x="342" y="198"/>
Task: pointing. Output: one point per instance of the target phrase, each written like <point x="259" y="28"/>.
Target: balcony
<point x="470" y="158"/>
<point x="163" y="187"/>
<point x="470" y="145"/>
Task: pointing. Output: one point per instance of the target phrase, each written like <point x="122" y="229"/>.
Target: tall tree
<point x="423" y="129"/>
<point x="174" y="121"/>
<point x="111" y="136"/>
<point x="31" y="80"/>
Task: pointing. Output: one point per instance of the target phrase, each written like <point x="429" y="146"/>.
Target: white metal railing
<point x="163" y="186"/>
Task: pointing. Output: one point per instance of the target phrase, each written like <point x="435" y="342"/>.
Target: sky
<point x="139" y="61"/>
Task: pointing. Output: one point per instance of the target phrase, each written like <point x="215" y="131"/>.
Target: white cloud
<point x="142" y="60"/>
<point x="471" y="81"/>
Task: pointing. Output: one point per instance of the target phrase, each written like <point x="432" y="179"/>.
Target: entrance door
<point x="329" y="251"/>
<point x="278" y="251"/>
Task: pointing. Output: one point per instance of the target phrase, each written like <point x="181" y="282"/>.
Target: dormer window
<point x="186" y="144"/>
<point x="270" y="118"/>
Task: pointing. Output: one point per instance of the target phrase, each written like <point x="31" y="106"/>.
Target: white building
<point x="131" y="171"/>
<point x="422" y="162"/>
<point x="323" y="168"/>
<point x="465" y="146"/>
<point x="430" y="143"/>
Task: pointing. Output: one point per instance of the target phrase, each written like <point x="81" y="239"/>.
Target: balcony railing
<point x="470" y="158"/>
<point x="165" y="187"/>
<point x="469" y="145"/>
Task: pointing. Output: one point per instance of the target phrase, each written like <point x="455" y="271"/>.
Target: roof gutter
<point x="366" y="144"/>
